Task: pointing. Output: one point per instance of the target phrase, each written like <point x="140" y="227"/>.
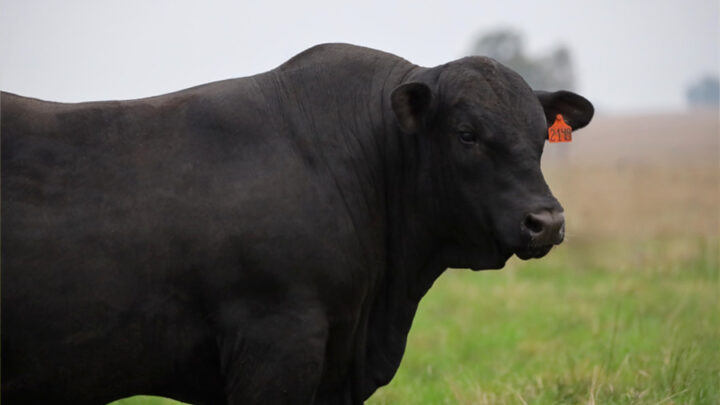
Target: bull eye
<point x="467" y="137"/>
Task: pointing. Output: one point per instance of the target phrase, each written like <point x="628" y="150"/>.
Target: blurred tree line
<point x="553" y="71"/>
<point x="704" y="93"/>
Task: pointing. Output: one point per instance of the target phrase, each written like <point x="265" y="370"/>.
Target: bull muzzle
<point x="544" y="228"/>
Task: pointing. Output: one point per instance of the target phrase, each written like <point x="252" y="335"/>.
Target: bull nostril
<point x="533" y="224"/>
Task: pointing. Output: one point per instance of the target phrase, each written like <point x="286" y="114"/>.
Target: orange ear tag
<point x="559" y="131"/>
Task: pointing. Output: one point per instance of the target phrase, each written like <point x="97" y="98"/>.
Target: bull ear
<point x="576" y="110"/>
<point x="410" y="103"/>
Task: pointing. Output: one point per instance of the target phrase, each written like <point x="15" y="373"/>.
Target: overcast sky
<point x="629" y="55"/>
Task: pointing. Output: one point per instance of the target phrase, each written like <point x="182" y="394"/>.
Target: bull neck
<point x="412" y="265"/>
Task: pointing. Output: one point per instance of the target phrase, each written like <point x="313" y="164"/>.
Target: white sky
<point x="630" y="55"/>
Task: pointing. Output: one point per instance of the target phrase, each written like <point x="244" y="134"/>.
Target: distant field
<point x="627" y="311"/>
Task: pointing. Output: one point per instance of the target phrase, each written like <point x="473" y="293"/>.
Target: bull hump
<point x="335" y="53"/>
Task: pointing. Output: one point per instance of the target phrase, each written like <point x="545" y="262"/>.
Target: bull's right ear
<point x="411" y="103"/>
<point x="576" y="110"/>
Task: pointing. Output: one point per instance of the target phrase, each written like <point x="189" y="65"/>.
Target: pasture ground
<point x="626" y="311"/>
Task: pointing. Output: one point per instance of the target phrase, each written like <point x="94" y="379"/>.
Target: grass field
<point x="569" y="330"/>
<point x="627" y="311"/>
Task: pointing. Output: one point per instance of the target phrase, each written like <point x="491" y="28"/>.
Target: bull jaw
<point x="467" y="258"/>
<point x="490" y="264"/>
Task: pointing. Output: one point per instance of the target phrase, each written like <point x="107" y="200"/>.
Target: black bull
<point x="264" y="239"/>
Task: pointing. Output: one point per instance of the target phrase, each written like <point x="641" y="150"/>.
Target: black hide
<point x="260" y="240"/>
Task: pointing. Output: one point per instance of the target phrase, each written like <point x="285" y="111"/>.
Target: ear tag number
<point x="559" y="131"/>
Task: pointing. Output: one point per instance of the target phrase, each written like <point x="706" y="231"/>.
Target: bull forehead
<point x="492" y="90"/>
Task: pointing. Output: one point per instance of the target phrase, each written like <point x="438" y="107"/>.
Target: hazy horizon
<point x="628" y="56"/>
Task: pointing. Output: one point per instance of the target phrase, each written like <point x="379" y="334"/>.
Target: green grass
<point x="603" y="322"/>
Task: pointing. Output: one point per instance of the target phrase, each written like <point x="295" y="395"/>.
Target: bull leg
<point x="277" y="360"/>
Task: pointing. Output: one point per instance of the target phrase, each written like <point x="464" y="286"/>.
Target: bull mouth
<point x="533" y="252"/>
<point x="499" y="253"/>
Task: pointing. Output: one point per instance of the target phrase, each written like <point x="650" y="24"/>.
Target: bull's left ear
<point x="411" y="103"/>
<point x="576" y="110"/>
